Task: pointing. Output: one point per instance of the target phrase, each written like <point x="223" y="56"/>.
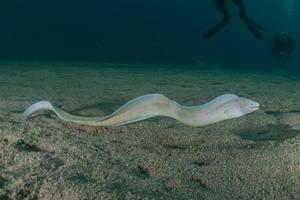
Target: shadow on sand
<point x="272" y="132"/>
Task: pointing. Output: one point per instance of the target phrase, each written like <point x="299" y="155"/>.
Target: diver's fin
<point x="258" y="26"/>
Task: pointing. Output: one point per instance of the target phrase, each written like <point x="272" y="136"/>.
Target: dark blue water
<point x="144" y="31"/>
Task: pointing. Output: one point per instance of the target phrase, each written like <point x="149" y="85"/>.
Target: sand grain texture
<point x="253" y="157"/>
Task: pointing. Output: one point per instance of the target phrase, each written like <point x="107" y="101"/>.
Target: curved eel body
<point x="224" y="107"/>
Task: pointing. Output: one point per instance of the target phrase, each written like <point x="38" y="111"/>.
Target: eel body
<point x="224" y="107"/>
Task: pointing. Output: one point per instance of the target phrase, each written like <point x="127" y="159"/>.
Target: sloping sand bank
<point x="253" y="157"/>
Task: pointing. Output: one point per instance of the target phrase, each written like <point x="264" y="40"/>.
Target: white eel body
<point x="224" y="107"/>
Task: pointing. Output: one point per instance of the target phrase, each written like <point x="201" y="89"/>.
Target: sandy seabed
<point x="252" y="157"/>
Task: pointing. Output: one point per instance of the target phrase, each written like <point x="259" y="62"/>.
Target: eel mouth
<point x="254" y="107"/>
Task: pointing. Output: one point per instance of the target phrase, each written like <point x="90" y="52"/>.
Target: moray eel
<point x="224" y="107"/>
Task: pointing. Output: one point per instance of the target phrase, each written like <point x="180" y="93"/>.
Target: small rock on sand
<point x="290" y="119"/>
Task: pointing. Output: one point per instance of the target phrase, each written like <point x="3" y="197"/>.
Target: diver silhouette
<point x="221" y="5"/>
<point x="283" y="45"/>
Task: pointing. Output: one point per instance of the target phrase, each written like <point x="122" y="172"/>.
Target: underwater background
<point x="90" y="57"/>
<point x="144" y="31"/>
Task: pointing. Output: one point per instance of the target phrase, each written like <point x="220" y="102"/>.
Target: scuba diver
<point x="221" y="5"/>
<point x="283" y="45"/>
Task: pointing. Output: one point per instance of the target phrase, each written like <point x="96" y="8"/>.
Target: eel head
<point x="239" y="107"/>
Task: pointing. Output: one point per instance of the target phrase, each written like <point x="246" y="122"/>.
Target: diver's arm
<point x="291" y="46"/>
